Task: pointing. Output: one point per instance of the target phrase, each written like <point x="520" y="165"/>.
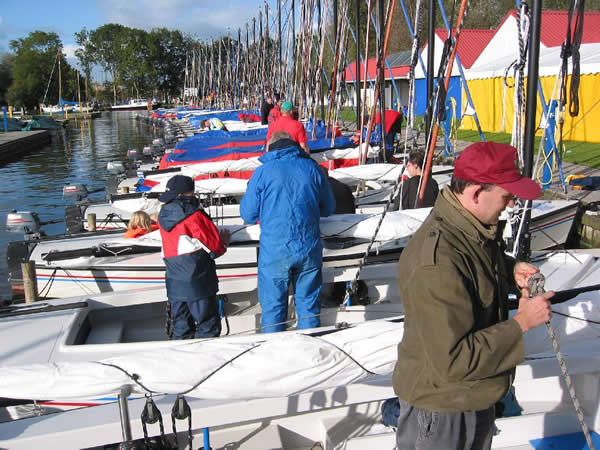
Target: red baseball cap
<point x="494" y="163"/>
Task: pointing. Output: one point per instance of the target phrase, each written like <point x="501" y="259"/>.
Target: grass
<point x="581" y="153"/>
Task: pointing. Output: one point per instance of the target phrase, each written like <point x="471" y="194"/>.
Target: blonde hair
<point x="139" y="219"/>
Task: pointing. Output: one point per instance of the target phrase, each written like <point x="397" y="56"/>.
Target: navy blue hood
<point x="176" y="211"/>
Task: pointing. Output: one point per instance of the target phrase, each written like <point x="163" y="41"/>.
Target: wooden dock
<point x="15" y="144"/>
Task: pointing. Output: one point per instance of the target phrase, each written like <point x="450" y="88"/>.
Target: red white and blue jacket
<point x="190" y="242"/>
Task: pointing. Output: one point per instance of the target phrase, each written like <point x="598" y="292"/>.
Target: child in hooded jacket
<point x="191" y="242"/>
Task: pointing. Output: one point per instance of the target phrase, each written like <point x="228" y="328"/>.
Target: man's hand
<point x="522" y="272"/>
<point x="225" y="236"/>
<point x="533" y="311"/>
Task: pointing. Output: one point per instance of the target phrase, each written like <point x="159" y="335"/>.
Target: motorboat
<point x="132" y="104"/>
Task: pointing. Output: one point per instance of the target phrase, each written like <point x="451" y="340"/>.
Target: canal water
<point x="77" y="154"/>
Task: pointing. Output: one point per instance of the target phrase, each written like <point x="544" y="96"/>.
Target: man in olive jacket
<point x="459" y="350"/>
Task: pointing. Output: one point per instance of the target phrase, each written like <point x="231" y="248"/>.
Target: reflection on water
<point x="77" y="154"/>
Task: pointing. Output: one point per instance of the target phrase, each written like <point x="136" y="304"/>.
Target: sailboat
<point x="316" y="389"/>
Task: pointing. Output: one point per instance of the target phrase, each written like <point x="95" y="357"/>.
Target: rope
<point x="353" y="284"/>
<point x="536" y="287"/>
<point x="570" y="48"/>
<point x="523" y="21"/>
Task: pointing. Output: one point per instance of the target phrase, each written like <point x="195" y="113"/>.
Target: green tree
<point x="106" y="46"/>
<point x="6" y="76"/>
<point x="38" y="58"/>
<point x="85" y="55"/>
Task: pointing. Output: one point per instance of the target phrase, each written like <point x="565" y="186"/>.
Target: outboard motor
<point x="115" y="167"/>
<point x="75" y="191"/>
<point x="133" y="153"/>
<point x="23" y="222"/>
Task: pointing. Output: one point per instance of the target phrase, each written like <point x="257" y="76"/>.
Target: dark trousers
<point x="420" y="429"/>
<point x="395" y="128"/>
<point x="196" y="319"/>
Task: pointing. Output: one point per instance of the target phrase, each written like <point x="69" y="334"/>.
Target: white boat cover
<point x="290" y="364"/>
<point x="395" y="225"/>
<point x="276" y="366"/>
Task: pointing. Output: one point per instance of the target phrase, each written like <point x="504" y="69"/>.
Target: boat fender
<point x="150" y="415"/>
<point x="181" y="411"/>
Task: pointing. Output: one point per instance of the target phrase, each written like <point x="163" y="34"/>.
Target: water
<point x="77" y="154"/>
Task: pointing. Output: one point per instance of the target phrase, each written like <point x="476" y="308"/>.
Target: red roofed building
<point x="470" y="44"/>
<point x="399" y="64"/>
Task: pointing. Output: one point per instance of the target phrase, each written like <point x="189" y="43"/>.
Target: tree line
<point x="153" y="63"/>
<point x="140" y="64"/>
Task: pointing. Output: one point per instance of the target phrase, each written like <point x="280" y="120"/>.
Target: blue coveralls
<point x="288" y="194"/>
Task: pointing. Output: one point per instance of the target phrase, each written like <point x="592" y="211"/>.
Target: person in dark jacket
<point x="344" y="200"/>
<point x="265" y="109"/>
<point x="459" y="351"/>
<point x="288" y="194"/>
<point x="191" y="242"/>
<point x="410" y="189"/>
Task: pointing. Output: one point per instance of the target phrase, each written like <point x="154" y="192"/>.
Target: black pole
<point x="335" y="18"/>
<point x="430" y="62"/>
<point x="532" y="84"/>
<point x="381" y="72"/>
<point x="357" y="78"/>
<point x="523" y="251"/>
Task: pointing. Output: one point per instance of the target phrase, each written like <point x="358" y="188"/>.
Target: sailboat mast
<point x="524" y="239"/>
<point x="280" y="81"/>
<point x="430" y="64"/>
<point x="358" y="68"/>
<point x="59" y="77"/>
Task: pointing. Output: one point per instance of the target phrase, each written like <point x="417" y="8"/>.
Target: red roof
<point x="554" y="27"/>
<point x="471" y="43"/>
<point x="397" y="72"/>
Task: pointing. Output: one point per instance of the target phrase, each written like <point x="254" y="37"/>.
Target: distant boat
<point x="133" y="104"/>
<point x="58" y="109"/>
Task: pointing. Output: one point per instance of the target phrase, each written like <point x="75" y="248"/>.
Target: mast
<point x="293" y="45"/>
<point x="59" y="78"/>
<point x="380" y="58"/>
<point x="358" y="69"/>
<point x="381" y="78"/>
<point x="261" y="64"/>
<point x="524" y="237"/>
<point x="432" y="138"/>
<point x="280" y="83"/>
<point x="430" y="63"/>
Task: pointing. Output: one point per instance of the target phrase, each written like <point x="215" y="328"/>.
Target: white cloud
<point x="69" y="51"/>
<point x="201" y="19"/>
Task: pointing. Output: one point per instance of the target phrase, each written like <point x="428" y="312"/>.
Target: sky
<point x="204" y="19"/>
